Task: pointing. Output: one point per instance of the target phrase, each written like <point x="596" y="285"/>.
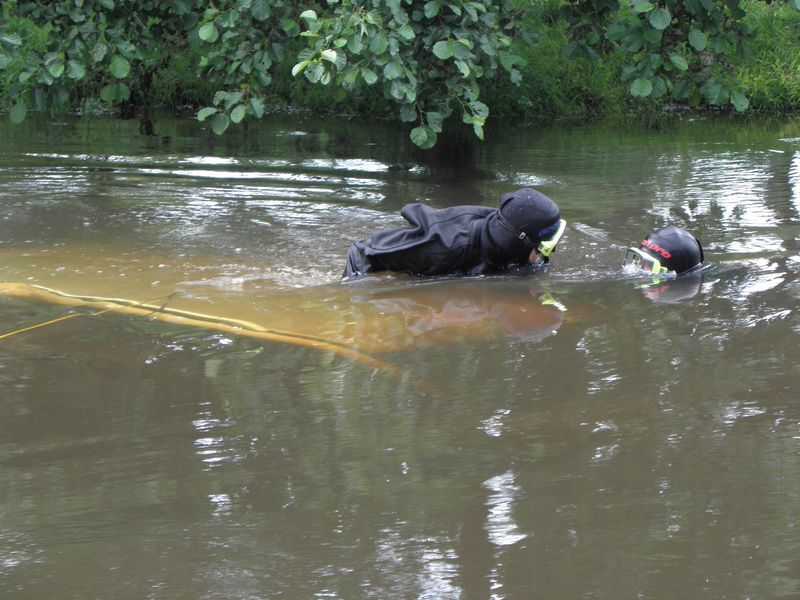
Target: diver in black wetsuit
<point x="674" y="258"/>
<point x="669" y="249"/>
<point x="463" y="240"/>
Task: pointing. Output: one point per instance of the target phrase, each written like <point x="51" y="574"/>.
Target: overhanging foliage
<point x="430" y="58"/>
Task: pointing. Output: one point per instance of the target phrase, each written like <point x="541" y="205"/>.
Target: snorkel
<point x="547" y="246"/>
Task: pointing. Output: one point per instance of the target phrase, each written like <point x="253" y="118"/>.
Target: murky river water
<point x="392" y="438"/>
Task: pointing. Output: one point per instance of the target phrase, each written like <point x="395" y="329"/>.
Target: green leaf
<point x="419" y="136"/>
<point x="11" y="39"/>
<point x="432" y="9"/>
<point x="479" y="109"/>
<point x="396" y="90"/>
<point x="423" y="137"/>
<point x="314" y="72"/>
<point x="257" y="107"/>
<point x="682" y="90"/>
<point x="107" y="93"/>
<point x="656" y="60"/>
<point x="308" y="15"/>
<point x="616" y="31"/>
<point x="329" y="55"/>
<point x="443" y="49"/>
<point x="206" y="112"/>
<point x="659" y="88"/>
<point x="379" y="44"/>
<point x="660" y="18"/>
<point x="75" y="70"/>
<point x="219" y="123"/>
<point x="435" y="121"/>
<point x="653" y="36"/>
<point x="679" y="62"/>
<point x="592" y="38"/>
<point x="208" y="33"/>
<point x="99" y="52"/>
<point x="508" y="60"/>
<point x="56" y="69"/>
<point x="129" y="51"/>
<point x="632" y="42"/>
<point x="463" y="68"/>
<point x="408" y="112"/>
<point x="260" y="9"/>
<point x="713" y="92"/>
<point x="628" y="71"/>
<point x="354" y="45"/>
<point x="107" y="4"/>
<point x="18" y="112"/>
<point x="642" y="7"/>
<point x="122" y="92"/>
<point x="373" y="18"/>
<point x="348" y="76"/>
<point x="229" y="98"/>
<point x="392" y="70"/>
<point x="406" y="32"/>
<point x="641" y="87"/>
<point x="238" y="113"/>
<point x="5" y="60"/>
<point x="478" y="129"/>
<point x="739" y="101"/>
<point x="45" y="78"/>
<point x="698" y="39"/>
<point x="369" y="75"/>
<point x="120" y="67"/>
<point x="300" y="67"/>
<point x="460" y="49"/>
<point x="410" y="92"/>
<point x="115" y="92"/>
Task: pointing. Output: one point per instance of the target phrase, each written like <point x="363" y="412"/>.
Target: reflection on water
<point x="642" y="443"/>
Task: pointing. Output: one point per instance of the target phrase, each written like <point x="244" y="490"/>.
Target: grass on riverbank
<point x="558" y="89"/>
<point x="772" y="75"/>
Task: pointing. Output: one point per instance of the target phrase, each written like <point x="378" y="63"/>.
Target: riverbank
<point x="553" y="88"/>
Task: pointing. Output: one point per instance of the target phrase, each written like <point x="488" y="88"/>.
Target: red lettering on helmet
<point x="656" y="248"/>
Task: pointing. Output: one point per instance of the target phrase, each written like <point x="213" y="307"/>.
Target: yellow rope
<point x="32" y="327"/>
<point x="155" y="308"/>
<point x="181" y="317"/>
<point x="59" y="319"/>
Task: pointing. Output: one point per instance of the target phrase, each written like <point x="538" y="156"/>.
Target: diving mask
<point x="637" y="259"/>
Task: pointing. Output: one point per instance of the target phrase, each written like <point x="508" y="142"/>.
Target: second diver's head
<point x="532" y="222"/>
<point x="665" y="250"/>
